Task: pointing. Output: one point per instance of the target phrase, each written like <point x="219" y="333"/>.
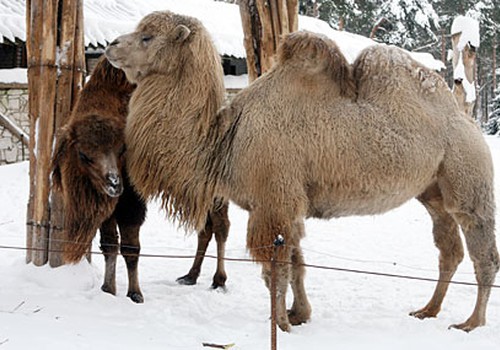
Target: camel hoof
<point x="466" y="326"/>
<point x="219" y="282"/>
<point x="187" y="280"/>
<point x="218" y="287"/>
<point x="423" y="314"/>
<point x="136" y="297"/>
<point x="285" y="326"/>
<point x="296" y="318"/>
<point x="108" y="289"/>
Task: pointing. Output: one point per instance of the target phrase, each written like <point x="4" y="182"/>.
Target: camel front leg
<point x="130" y="248"/>
<point x="204" y="237"/>
<point x="282" y="278"/>
<point x="221" y="224"/>
<point x="301" y="309"/>
<point x="109" y="247"/>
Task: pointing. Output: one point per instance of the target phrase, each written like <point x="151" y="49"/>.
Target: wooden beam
<point x="15" y="130"/>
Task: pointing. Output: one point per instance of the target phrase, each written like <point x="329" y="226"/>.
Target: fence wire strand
<point x="247" y="260"/>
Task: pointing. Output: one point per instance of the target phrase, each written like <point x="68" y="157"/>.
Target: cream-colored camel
<point x="308" y="139"/>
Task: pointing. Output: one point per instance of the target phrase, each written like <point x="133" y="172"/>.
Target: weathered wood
<point x="53" y="85"/>
<point x="264" y="23"/>
<point x="251" y="37"/>
<point x="66" y="94"/>
<point x="45" y="132"/>
<point x="292" y="7"/>
<point x="267" y="42"/>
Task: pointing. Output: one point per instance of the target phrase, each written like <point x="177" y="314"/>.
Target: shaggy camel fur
<point x="88" y="166"/>
<point x="309" y="140"/>
<point x="192" y="90"/>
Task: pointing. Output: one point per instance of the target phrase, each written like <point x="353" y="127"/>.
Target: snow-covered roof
<point x="469" y="29"/>
<point x="107" y="19"/>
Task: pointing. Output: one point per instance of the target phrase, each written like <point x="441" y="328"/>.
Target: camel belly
<point x="363" y="197"/>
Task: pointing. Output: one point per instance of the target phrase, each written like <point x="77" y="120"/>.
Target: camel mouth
<point x="113" y="186"/>
<point x="113" y="191"/>
<point x="113" y="60"/>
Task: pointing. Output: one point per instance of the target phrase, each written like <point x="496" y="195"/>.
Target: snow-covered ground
<point x="64" y="308"/>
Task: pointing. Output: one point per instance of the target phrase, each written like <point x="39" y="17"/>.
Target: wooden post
<point x="51" y="91"/>
<point x="42" y="75"/>
<point x="71" y="72"/>
<point x="264" y="22"/>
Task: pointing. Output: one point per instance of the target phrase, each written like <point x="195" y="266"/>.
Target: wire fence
<point x="249" y="260"/>
<point x="274" y="262"/>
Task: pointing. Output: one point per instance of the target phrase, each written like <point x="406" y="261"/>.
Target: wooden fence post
<point x="51" y="79"/>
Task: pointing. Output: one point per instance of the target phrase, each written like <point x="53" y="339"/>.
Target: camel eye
<point x="84" y="158"/>
<point x="146" y="38"/>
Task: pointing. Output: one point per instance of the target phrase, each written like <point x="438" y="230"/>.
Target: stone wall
<point x="13" y="104"/>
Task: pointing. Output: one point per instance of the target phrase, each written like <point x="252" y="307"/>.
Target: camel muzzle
<point x="114" y="186"/>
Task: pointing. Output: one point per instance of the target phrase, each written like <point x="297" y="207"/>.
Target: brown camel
<point x="88" y="166"/>
<point x="307" y="139"/>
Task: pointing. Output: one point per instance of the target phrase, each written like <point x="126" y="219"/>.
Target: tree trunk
<point x="443" y="52"/>
<point x="264" y="22"/>
<point x="466" y="75"/>
<point x="51" y="84"/>
<point x="494" y="63"/>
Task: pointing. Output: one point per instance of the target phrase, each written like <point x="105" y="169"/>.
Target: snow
<point x="469" y="27"/>
<point x="61" y="308"/>
<point x="14" y="75"/>
<point x="107" y="19"/>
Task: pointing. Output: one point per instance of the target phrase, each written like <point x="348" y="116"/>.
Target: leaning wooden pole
<point x="51" y="54"/>
<point x="264" y="23"/>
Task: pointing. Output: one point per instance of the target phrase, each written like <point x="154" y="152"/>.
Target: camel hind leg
<point x="481" y="245"/>
<point x="447" y="240"/>
<point x="217" y="225"/>
<point x="466" y="183"/>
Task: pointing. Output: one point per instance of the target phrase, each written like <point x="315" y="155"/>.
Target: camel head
<point x="92" y="148"/>
<point x="154" y="47"/>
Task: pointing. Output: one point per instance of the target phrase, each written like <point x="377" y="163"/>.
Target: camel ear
<point x="181" y="33"/>
<point x="60" y="150"/>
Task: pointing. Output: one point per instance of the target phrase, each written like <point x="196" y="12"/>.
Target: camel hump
<point x="394" y="64"/>
<point x="316" y="54"/>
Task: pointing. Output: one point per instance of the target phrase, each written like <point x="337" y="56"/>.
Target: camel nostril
<point x="113" y="179"/>
<point x="114" y="42"/>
